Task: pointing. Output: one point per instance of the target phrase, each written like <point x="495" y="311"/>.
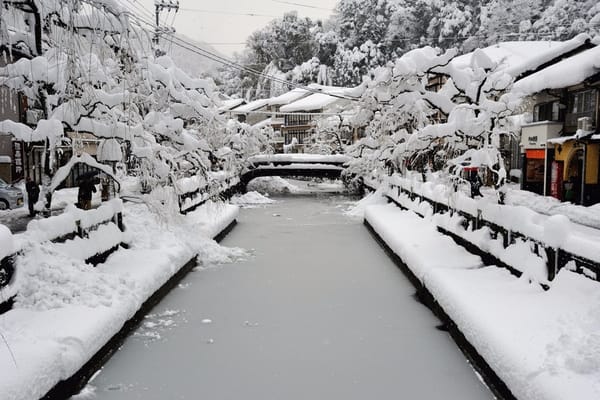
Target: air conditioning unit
<point x="585" y="124"/>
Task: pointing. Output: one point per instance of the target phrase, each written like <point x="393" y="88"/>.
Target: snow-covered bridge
<point x="310" y="165"/>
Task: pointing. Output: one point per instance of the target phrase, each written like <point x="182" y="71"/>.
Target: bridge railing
<point x="504" y="223"/>
<point x="287" y="159"/>
<point x="194" y="191"/>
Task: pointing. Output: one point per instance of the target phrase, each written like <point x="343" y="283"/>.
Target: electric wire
<point x="222" y="60"/>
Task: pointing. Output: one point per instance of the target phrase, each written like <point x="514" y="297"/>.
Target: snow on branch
<point x="63" y="172"/>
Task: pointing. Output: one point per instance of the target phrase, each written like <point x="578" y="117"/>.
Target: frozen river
<point x="318" y="311"/>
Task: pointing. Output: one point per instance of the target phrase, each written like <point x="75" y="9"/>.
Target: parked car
<point x="10" y="196"/>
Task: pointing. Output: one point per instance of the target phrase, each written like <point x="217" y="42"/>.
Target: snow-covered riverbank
<point x="544" y="345"/>
<point x="67" y="310"/>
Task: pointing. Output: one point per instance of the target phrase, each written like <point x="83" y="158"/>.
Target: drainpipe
<point x="583" y="172"/>
<point x="37" y="28"/>
<point x="545" y="192"/>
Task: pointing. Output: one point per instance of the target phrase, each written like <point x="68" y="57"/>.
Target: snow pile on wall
<point x="575" y="239"/>
<point x="589" y="216"/>
<point x="47" y="229"/>
<point x="272" y="185"/>
<point x="251" y="198"/>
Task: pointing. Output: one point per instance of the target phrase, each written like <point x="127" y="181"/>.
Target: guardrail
<point x="473" y="219"/>
<point x="90" y="235"/>
<point x="195" y="191"/>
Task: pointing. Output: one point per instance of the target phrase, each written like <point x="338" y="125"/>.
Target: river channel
<point x="316" y="311"/>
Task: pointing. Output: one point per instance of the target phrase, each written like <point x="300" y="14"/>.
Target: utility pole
<point x="161" y="5"/>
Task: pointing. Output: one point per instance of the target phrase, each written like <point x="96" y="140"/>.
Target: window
<point x="301" y="136"/>
<point x="296" y="119"/>
<point x="581" y="104"/>
<point x="546" y="112"/>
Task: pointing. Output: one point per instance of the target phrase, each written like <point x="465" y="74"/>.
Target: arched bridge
<point x="309" y="165"/>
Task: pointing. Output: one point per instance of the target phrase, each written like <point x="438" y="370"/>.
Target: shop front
<point x="535" y="157"/>
<point x="575" y="170"/>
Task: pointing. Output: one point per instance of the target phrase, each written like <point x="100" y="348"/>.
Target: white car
<point x="10" y="196"/>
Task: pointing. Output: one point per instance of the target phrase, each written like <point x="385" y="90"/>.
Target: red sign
<point x="556" y="180"/>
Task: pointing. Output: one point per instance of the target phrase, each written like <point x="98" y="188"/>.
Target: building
<point x="300" y="116"/>
<point x="278" y="118"/>
<point x="229" y="104"/>
<point x="251" y="113"/>
<point x="562" y="143"/>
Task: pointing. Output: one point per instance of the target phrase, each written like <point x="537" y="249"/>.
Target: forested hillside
<point x="364" y="34"/>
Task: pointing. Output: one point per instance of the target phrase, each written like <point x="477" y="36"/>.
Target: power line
<point x="301" y="5"/>
<point x="246" y="14"/>
<point x="222" y="60"/>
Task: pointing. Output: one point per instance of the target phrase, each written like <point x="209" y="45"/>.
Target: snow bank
<point x="358" y="210"/>
<point x="543" y="344"/>
<point x="417" y="242"/>
<point x="272" y="185"/>
<point x="251" y="198"/>
<point x="66" y="310"/>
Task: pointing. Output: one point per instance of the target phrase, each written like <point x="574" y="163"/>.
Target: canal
<point x="316" y="311"/>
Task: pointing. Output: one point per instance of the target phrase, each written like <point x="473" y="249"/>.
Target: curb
<point x="73" y="385"/>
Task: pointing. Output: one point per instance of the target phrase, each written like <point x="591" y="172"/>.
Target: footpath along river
<point x="316" y="311"/>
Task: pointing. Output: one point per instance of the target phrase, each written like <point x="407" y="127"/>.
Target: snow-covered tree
<point x="286" y="42"/>
<point x="405" y="119"/>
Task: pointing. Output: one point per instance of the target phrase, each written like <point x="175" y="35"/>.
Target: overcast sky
<point x="219" y="23"/>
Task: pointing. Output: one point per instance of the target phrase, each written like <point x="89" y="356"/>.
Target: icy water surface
<point x="317" y="312"/>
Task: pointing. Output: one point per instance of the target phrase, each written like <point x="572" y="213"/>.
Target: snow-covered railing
<point x="75" y="222"/>
<point x="282" y="159"/>
<point x="520" y="238"/>
<point x="195" y="191"/>
<point x="89" y="236"/>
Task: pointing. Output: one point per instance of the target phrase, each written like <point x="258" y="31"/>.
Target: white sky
<point x="220" y="25"/>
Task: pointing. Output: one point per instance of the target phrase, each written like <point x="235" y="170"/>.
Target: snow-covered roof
<point x="252" y="106"/>
<point x="552" y="51"/>
<point x="289" y="97"/>
<point x="262" y="124"/>
<point x="313" y="102"/>
<point x="227" y="105"/>
<point x="568" y="72"/>
<point x="326" y="96"/>
<point x="515" y="57"/>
